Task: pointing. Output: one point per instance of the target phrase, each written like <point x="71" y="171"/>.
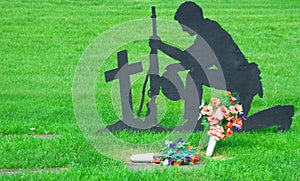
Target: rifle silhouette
<point x="129" y="122"/>
<point x="153" y="73"/>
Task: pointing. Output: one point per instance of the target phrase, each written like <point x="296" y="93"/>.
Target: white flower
<point x="219" y="114"/>
<point x="167" y="142"/>
<point x="200" y="116"/>
<point x="32" y="129"/>
<point x="166" y="162"/>
<point x="202" y="104"/>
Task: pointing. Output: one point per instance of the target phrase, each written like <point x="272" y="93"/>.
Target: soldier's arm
<point x="183" y="56"/>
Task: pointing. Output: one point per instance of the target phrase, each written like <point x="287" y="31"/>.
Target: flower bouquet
<point x="179" y="153"/>
<point x="219" y="117"/>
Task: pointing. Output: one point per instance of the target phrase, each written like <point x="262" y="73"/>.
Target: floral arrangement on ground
<point x="179" y="153"/>
<point x="218" y="117"/>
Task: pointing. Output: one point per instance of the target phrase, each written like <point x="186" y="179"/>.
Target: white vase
<point x="211" y="146"/>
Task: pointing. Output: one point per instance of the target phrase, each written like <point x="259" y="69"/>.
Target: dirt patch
<point x="148" y="166"/>
<point x="220" y="157"/>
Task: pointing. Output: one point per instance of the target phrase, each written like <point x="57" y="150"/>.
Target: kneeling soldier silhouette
<point x="214" y="60"/>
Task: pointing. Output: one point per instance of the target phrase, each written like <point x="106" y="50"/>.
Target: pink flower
<point x="224" y="111"/>
<point x="215" y="102"/>
<point x="217" y="132"/>
<point x="207" y="110"/>
<point x="236" y="109"/>
<point x="232" y="110"/>
<point x="213" y="120"/>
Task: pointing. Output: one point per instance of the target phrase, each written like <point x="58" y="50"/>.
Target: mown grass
<point x="42" y="42"/>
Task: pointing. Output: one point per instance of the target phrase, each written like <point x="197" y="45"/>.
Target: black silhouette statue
<point x="213" y="60"/>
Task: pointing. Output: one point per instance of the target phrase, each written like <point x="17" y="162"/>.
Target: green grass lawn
<point x="41" y="43"/>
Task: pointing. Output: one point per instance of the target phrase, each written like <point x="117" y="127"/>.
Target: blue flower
<point x="171" y="161"/>
<point x="180" y="140"/>
<point x="243" y="116"/>
<point x="238" y="128"/>
<point x="172" y="145"/>
<point x="187" y="159"/>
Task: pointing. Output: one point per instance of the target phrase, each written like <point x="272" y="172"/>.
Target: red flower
<point x="230" y="119"/>
<point x="229" y="94"/>
<point x="229" y="129"/>
<point x="156" y="160"/>
<point x="239" y="121"/>
<point x="231" y="98"/>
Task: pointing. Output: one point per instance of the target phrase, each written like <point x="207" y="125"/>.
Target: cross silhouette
<point x="123" y="73"/>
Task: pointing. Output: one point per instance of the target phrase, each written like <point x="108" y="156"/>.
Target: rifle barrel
<point x="154" y="31"/>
